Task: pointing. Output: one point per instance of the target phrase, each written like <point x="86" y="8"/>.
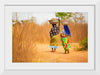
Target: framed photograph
<point x="49" y="37"/>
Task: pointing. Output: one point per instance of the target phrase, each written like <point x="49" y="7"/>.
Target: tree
<point x="75" y="18"/>
<point x="81" y="18"/>
<point x="63" y="15"/>
<point x="78" y="17"/>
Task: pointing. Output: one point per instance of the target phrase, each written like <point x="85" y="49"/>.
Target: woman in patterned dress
<point x="64" y="38"/>
<point x="54" y="36"/>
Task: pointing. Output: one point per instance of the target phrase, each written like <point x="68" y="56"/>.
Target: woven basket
<point x="64" y="22"/>
<point x="53" y="21"/>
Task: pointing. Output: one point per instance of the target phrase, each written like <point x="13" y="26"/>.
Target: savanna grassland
<point x="30" y="43"/>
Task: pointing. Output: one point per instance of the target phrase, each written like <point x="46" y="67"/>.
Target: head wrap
<point x="67" y="30"/>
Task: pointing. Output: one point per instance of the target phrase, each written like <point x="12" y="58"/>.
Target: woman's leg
<point x="52" y="49"/>
<point x="68" y="46"/>
<point x="68" y="51"/>
<point x="65" y="50"/>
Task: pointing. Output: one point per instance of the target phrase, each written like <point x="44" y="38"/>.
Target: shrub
<point x="84" y="44"/>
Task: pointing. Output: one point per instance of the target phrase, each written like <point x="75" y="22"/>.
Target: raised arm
<point x="59" y="22"/>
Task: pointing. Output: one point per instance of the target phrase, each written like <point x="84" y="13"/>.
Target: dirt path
<point x="46" y="55"/>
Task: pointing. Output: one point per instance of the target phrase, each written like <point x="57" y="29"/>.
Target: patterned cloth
<point x="54" y="42"/>
<point x="66" y="29"/>
<point x="54" y="30"/>
<point x="54" y="38"/>
<point x="65" y="41"/>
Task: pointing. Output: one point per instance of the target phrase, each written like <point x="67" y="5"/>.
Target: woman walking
<point x="54" y="34"/>
<point x="64" y="36"/>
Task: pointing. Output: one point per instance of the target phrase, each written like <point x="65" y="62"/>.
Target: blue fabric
<point x="67" y="30"/>
<point x="53" y="47"/>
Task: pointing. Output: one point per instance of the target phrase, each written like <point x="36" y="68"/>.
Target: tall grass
<point x="27" y="36"/>
<point x="24" y="47"/>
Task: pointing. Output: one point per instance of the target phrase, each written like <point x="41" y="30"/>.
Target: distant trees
<point x="76" y="17"/>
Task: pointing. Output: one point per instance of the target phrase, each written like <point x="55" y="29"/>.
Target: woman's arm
<point x="59" y="22"/>
<point x="51" y="34"/>
<point x="62" y="35"/>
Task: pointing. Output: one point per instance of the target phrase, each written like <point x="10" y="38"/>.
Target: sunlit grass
<point x="26" y="37"/>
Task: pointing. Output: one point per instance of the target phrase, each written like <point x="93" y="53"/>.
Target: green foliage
<point x="63" y="15"/>
<point x="84" y="44"/>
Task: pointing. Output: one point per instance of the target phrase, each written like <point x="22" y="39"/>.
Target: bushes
<point x="84" y="44"/>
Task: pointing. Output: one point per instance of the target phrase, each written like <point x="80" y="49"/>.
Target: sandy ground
<point x="45" y="54"/>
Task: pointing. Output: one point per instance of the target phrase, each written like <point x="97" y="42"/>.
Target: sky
<point x="40" y="18"/>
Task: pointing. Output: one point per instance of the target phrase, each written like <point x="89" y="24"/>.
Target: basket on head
<point x="65" y="22"/>
<point x="53" y="21"/>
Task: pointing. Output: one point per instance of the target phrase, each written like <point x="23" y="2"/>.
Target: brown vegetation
<point x="27" y="36"/>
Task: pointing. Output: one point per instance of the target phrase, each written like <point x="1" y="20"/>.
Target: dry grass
<point x="26" y="37"/>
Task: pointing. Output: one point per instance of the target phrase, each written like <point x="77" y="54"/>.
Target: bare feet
<point x="65" y="52"/>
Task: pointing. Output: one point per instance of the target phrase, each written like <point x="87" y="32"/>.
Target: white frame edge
<point x="89" y="65"/>
<point x="2" y="38"/>
<point x="2" y="69"/>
